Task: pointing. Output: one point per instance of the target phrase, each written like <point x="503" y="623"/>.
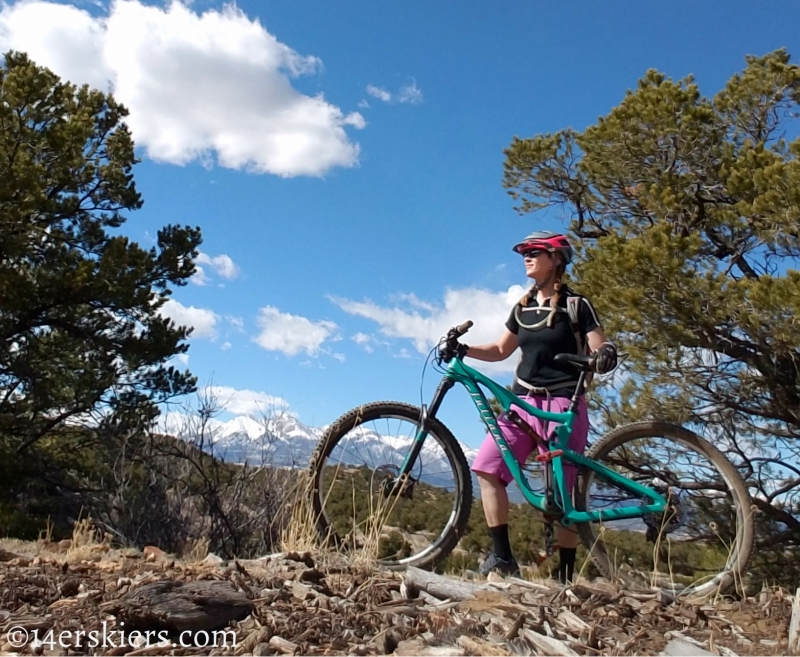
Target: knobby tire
<point x="443" y="545"/>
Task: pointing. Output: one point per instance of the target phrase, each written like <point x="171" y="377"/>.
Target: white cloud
<point x="200" y="277"/>
<point x="380" y="94"/>
<point x="211" y="87"/>
<point x="225" y="346"/>
<point x="364" y="341"/>
<point x="187" y="421"/>
<point x="410" y="93"/>
<point x="223" y="265"/>
<point x="291" y="334"/>
<point x="245" y="402"/>
<point x="202" y="320"/>
<point x="235" y="322"/>
<point x="415" y="302"/>
<point x="425" y="323"/>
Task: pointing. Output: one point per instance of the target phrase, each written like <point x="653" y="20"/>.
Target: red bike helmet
<point x="548" y="241"/>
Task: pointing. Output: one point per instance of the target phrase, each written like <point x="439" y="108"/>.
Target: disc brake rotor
<point x="390" y="482"/>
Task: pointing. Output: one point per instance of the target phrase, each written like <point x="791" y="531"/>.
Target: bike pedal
<point x="549" y="456"/>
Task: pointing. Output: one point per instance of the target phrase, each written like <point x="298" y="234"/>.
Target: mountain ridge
<point x="284" y="441"/>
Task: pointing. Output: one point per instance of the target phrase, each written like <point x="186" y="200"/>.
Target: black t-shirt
<point x="540" y="343"/>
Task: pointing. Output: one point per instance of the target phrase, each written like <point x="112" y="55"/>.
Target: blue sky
<point x="344" y="160"/>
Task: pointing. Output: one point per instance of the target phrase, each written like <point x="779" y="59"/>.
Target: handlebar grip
<point x="461" y="329"/>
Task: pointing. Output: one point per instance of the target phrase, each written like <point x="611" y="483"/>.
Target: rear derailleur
<point x="668" y="520"/>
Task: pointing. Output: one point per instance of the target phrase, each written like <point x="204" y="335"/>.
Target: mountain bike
<point x="655" y="504"/>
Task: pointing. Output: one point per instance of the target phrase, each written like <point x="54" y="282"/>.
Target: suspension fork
<point x="428" y="414"/>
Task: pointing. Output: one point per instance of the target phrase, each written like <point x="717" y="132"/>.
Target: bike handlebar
<point x="450" y="346"/>
<point x="461" y="329"/>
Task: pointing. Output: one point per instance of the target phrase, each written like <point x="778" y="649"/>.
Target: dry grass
<point x="381" y="509"/>
<point x="300" y="533"/>
<point x="588" y="560"/>
<point x="46" y="534"/>
<point x="87" y="541"/>
<point x="23" y="548"/>
<point x="195" y="551"/>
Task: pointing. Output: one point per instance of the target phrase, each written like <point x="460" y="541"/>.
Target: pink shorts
<point x="490" y="461"/>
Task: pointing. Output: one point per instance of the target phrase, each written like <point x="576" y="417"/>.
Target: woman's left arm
<point x="596" y="338"/>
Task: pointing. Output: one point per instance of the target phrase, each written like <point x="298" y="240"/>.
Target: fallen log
<point x="683" y="648"/>
<point x="478" y="646"/>
<point x="440" y="586"/>
<point x="794" y="626"/>
<point x="283" y="646"/>
<point x="547" y="645"/>
<point x="416" y="647"/>
<point x="573" y="623"/>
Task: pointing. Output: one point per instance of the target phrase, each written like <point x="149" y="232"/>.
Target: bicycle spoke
<point x="695" y="544"/>
<point x="370" y="508"/>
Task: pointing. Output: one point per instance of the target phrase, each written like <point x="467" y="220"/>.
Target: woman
<point x="541" y="327"/>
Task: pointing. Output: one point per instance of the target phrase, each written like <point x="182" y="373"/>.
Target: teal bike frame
<point x="459" y="372"/>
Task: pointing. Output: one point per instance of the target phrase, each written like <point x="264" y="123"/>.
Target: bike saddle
<point x="583" y="363"/>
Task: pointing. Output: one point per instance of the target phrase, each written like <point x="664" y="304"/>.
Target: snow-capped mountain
<point x="280" y="441"/>
<point x="283" y="441"/>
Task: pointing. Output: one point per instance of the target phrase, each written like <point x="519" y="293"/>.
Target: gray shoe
<point x="507" y="567"/>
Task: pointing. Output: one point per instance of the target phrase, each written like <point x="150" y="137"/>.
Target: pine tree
<point x="79" y="305"/>
<point x="686" y="209"/>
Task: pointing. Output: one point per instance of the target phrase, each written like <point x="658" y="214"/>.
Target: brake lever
<point x="452" y="347"/>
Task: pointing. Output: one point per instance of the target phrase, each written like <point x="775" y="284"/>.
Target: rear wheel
<point x="359" y="502"/>
<point x="701" y="544"/>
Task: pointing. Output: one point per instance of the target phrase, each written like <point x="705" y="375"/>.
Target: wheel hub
<point x="392" y="484"/>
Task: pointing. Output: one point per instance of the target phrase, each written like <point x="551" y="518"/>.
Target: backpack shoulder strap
<point x="573" y="303"/>
<point x="572" y="309"/>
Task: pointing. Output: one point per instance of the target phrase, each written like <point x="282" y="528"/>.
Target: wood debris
<point x="296" y="604"/>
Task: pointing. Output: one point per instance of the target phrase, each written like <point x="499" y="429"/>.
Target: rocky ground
<point x="301" y="604"/>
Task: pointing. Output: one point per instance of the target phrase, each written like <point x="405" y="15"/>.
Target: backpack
<point x="573" y="302"/>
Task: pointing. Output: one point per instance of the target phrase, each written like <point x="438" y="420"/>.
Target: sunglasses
<point x="532" y="253"/>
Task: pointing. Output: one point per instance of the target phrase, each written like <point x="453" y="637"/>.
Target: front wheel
<point x="701" y="544"/>
<point x="362" y="504"/>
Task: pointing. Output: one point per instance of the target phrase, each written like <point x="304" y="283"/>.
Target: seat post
<point x="573" y="405"/>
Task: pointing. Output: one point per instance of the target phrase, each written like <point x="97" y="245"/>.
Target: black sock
<point x="500" y="543"/>
<point x="566" y="564"/>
